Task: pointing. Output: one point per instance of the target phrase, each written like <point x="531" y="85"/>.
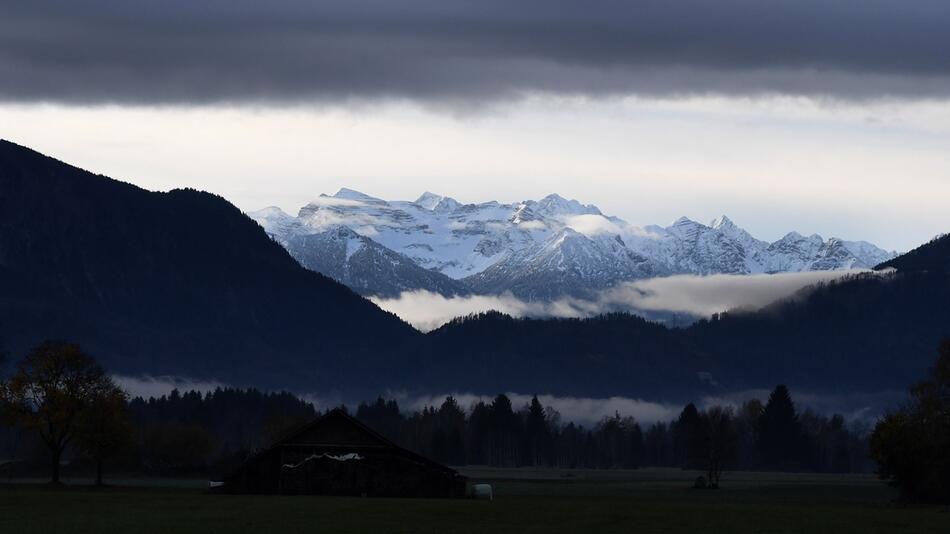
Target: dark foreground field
<point x="543" y="501"/>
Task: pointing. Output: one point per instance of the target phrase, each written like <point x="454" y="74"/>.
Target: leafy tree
<point x="104" y="428"/>
<point x="912" y="445"/>
<point x="779" y="432"/>
<point x="49" y="392"/>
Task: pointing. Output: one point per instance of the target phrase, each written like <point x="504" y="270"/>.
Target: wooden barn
<point x="338" y="455"/>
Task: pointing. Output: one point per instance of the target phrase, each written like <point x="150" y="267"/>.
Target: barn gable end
<point x="338" y="432"/>
<point x="338" y="455"/>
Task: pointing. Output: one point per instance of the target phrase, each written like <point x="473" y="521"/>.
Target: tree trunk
<point x="56" y="455"/>
<point x="98" y="471"/>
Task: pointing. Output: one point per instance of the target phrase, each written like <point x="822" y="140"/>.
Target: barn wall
<point x="377" y="475"/>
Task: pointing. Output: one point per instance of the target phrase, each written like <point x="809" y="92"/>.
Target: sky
<point x="829" y="117"/>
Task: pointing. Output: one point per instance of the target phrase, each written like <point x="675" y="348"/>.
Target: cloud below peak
<point x="699" y="296"/>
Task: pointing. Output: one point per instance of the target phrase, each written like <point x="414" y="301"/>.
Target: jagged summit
<point x="272" y="211"/>
<point x="351" y="194"/>
<point x="429" y="200"/>
<point x="556" y="205"/>
<point x="722" y="222"/>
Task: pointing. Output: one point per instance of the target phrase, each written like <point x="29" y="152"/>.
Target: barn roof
<point x="309" y="435"/>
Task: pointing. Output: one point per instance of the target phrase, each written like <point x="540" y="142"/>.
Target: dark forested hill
<point x="607" y="355"/>
<point x="182" y="283"/>
<point x="176" y="283"/>
<point x="931" y="257"/>
<point x="866" y="333"/>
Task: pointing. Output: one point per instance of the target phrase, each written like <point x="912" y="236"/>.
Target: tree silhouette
<point x="912" y="445"/>
<point x="451" y="422"/>
<point x="779" y="432"/>
<point x="688" y="438"/>
<point x="49" y="392"/>
<point x="505" y="426"/>
<point x="104" y="428"/>
<point x="719" y="442"/>
<point x="537" y="434"/>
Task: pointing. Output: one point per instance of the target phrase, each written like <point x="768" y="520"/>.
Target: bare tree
<point x="103" y="426"/>
<point x="720" y="442"/>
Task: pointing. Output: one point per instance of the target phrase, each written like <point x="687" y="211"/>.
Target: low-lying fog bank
<point x="681" y="295"/>
<point x="860" y="408"/>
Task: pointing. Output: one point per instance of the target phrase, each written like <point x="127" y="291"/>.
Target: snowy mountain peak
<point x="792" y="236"/>
<point x="429" y="200"/>
<point x="351" y="194"/>
<point x="722" y="222"/>
<point x="555" y="205"/>
<point x="270" y="212"/>
<point x="523" y="213"/>
<point x="685" y="221"/>
<point x="277" y="223"/>
<point x="434" y="202"/>
<point x="795" y="237"/>
<point x="686" y="228"/>
<point x="447" y="204"/>
<point x="867" y="253"/>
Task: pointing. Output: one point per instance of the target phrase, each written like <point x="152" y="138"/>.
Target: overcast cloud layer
<point x="176" y="51"/>
<point x="699" y="296"/>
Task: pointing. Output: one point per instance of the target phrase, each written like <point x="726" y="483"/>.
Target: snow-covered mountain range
<point x="536" y="249"/>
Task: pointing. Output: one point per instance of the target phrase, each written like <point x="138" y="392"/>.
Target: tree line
<point x="754" y="436"/>
<point x="912" y="444"/>
<point x="59" y="402"/>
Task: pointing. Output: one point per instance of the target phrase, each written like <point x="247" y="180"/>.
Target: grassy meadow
<point x="526" y="500"/>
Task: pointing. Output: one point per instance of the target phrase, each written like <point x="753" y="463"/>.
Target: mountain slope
<point x="366" y="266"/>
<point x="171" y="283"/>
<point x="566" y="264"/>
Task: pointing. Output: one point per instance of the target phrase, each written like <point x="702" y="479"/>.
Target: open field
<point x="543" y="501"/>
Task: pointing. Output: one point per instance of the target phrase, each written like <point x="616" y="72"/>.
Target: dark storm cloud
<point x="175" y="51"/>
